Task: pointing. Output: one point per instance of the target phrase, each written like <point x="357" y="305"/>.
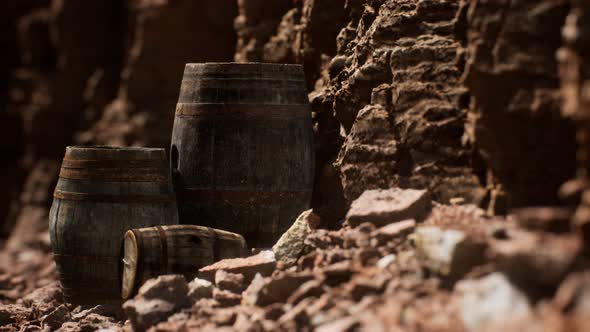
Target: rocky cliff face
<point x="389" y="107"/>
<point x="455" y="96"/>
<point x="165" y="35"/>
<point x="575" y="87"/>
<point x="515" y="121"/>
<point x="256" y="23"/>
<point x="445" y="95"/>
<point x="400" y="100"/>
<point x="62" y="44"/>
<point x="96" y="72"/>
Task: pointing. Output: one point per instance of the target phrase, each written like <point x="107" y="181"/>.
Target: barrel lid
<point x="247" y="70"/>
<point x="130" y="260"/>
<point x="114" y="153"/>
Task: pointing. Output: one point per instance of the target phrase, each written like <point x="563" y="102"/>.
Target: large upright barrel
<point x="242" y="148"/>
<point x="101" y="193"/>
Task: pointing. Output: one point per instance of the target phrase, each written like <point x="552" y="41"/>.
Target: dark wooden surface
<point x="181" y="249"/>
<point x="103" y="192"/>
<point x="242" y="148"/>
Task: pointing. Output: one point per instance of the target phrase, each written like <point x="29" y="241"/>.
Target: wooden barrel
<point x="102" y="192"/>
<point x="242" y="148"/>
<point x="181" y="249"/>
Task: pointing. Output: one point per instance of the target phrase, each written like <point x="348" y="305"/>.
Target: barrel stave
<point x="94" y="205"/>
<point x="242" y="148"/>
<point x="187" y="248"/>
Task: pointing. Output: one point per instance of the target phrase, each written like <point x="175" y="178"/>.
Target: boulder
<point x="385" y="261"/>
<point x="312" y="288"/>
<point x="490" y="300"/>
<point x="12" y="313"/>
<point x="48" y="294"/>
<point x="56" y="318"/>
<point x="449" y="252"/>
<point x="363" y="285"/>
<point x="171" y="288"/>
<point x="395" y="229"/>
<point x="292" y="243"/>
<point x="157" y="300"/>
<point x="200" y="289"/>
<point x="229" y="281"/>
<point x="226" y="298"/>
<point x="278" y="288"/>
<point x="144" y="313"/>
<point x="382" y="207"/>
<point x="263" y="263"/>
<point x="338" y="273"/>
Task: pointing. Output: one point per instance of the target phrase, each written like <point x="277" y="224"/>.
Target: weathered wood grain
<point x="101" y="193"/>
<point x="242" y="148"/>
<point x="181" y="249"/>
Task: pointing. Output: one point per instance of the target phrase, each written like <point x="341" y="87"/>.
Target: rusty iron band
<point x="216" y="244"/>
<point x="164" y="244"/>
<point x="147" y="163"/>
<point x="123" y="175"/>
<point x="104" y="198"/>
<point x="235" y="196"/>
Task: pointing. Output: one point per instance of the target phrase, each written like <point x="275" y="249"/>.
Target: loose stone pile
<point x="408" y="264"/>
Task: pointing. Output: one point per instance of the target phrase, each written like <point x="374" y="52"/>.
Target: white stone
<point x="490" y="300"/>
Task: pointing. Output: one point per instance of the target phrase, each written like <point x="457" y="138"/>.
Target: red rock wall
<point x="96" y="72"/>
<point x="574" y="61"/>
<point x="256" y="23"/>
<point x="401" y="102"/>
<point x="515" y="121"/>
<point x="62" y="45"/>
<point x="461" y="97"/>
<point x="11" y="120"/>
<point x="164" y="36"/>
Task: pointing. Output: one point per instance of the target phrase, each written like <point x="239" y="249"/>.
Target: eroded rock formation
<point x="255" y="24"/>
<point x="62" y="44"/>
<point x="164" y="37"/>
<point x="575" y="82"/>
<point x="515" y="121"/>
<point x="97" y="72"/>
<point x="396" y="90"/>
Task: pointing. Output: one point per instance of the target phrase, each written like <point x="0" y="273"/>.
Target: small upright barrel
<point x="102" y="192"/>
<point x="182" y="249"/>
<point x="242" y="148"/>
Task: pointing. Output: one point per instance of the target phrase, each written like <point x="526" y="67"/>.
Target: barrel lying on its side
<point x="182" y="249"/>
<point x="101" y="193"/>
<point x="242" y="148"/>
